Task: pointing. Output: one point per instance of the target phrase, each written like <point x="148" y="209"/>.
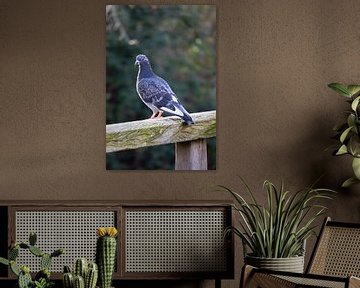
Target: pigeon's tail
<point x="185" y="115"/>
<point x="178" y="110"/>
<point x="187" y="119"/>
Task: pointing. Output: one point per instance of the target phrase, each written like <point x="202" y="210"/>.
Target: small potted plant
<point x="275" y="233"/>
<point x="348" y="132"/>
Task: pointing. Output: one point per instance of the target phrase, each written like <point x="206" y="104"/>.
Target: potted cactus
<point x="42" y="278"/>
<point x="106" y="254"/>
<point x="84" y="275"/>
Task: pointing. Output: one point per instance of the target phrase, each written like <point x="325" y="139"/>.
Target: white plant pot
<point x="291" y="264"/>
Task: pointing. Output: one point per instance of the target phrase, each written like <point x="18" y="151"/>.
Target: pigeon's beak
<point x="137" y="62"/>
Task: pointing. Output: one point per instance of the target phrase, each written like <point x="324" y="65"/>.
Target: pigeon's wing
<point x="156" y="92"/>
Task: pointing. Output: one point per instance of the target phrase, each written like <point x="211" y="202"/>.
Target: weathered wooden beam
<point x="191" y="155"/>
<point x="151" y="132"/>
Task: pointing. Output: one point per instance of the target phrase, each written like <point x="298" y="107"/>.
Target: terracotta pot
<point x="291" y="264"/>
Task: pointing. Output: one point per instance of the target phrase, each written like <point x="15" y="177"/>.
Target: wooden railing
<point x="190" y="141"/>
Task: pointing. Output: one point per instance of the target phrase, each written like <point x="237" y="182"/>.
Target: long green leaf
<point x="349" y="182"/>
<point x="355" y="103"/>
<point x="340" y="88"/>
<point x="345" y="134"/>
<point x="342" y="150"/>
<point x="353" y="89"/>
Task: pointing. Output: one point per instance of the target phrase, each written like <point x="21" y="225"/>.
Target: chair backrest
<point x="337" y="251"/>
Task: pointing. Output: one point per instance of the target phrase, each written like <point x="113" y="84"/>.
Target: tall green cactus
<point x="106" y="254"/>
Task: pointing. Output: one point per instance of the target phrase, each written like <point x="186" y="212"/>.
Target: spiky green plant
<point x="91" y="276"/>
<point x="80" y="267"/>
<point x="42" y="278"/>
<point x="348" y="132"/>
<point x="106" y="254"/>
<point x="84" y="273"/>
<point x="279" y="229"/>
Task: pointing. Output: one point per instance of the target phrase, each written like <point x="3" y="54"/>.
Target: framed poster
<point x="161" y="87"/>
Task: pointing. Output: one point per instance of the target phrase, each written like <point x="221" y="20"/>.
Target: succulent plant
<point x="68" y="278"/>
<point x="81" y="266"/>
<point x="85" y="275"/>
<point x="106" y="254"/>
<point x="91" y="276"/>
<point x="42" y="283"/>
<point x="24" y="280"/>
<point x="79" y="282"/>
<point x="42" y="278"/>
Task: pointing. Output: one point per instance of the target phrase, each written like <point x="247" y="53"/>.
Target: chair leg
<point x="246" y="273"/>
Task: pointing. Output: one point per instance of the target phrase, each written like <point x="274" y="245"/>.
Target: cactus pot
<point x="291" y="264"/>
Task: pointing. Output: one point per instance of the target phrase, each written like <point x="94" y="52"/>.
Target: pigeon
<point x="156" y="93"/>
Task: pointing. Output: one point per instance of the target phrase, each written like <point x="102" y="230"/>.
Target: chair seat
<point x="315" y="282"/>
<point x="267" y="279"/>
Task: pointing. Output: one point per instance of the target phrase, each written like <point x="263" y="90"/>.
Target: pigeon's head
<point x="141" y="59"/>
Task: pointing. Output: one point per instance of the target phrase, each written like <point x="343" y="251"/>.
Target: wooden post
<point x="191" y="155"/>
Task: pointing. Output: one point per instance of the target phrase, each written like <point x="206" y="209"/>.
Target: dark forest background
<point x="180" y="42"/>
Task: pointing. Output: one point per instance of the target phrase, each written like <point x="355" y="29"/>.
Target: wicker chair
<point x="334" y="263"/>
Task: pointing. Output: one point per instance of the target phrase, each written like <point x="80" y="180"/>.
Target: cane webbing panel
<point x="175" y="241"/>
<point x="338" y="252"/>
<point x="313" y="282"/>
<point x="267" y="280"/>
<point x="75" y="231"/>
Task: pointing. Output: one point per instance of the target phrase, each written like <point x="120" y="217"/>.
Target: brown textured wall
<point x="275" y="114"/>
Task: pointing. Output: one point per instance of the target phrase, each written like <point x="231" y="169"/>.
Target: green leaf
<point x="349" y="182"/>
<point x="45" y="261"/>
<point x="36" y="251"/>
<point x="13" y="253"/>
<point x="4" y="261"/>
<point x="351" y="120"/>
<point x="356" y="167"/>
<point x="355" y="103"/>
<point x="354" y="145"/>
<point x="353" y="89"/>
<point x="14" y="268"/>
<point x="340" y="88"/>
<point x="342" y="150"/>
<point x="345" y="134"/>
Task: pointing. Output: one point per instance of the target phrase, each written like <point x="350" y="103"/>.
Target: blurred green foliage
<point x="180" y="42"/>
